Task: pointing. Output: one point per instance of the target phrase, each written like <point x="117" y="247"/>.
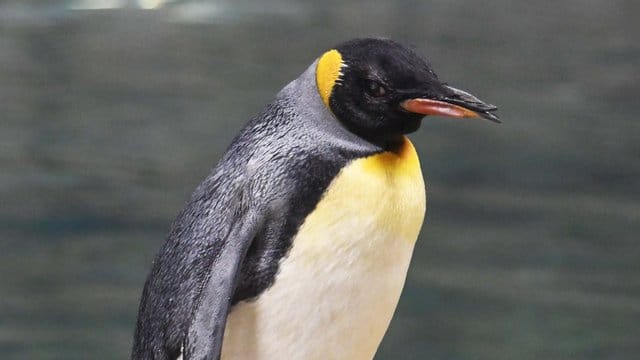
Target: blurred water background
<point x="112" y="111"/>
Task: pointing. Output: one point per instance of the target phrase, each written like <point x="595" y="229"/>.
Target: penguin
<point x="297" y="244"/>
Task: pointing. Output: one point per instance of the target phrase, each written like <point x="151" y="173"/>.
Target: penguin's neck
<point x="319" y="122"/>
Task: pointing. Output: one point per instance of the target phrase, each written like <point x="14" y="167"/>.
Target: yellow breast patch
<point x="379" y="194"/>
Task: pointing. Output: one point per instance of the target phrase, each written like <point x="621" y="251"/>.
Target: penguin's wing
<point x="205" y="333"/>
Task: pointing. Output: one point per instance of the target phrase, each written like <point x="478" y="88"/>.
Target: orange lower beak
<point x="455" y="103"/>
<point x="435" y="107"/>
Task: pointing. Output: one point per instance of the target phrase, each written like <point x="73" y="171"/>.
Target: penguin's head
<point x="381" y="90"/>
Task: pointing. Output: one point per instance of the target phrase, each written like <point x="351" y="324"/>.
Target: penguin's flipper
<point x="205" y="334"/>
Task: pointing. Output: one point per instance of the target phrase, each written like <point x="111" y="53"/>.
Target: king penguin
<point x="297" y="244"/>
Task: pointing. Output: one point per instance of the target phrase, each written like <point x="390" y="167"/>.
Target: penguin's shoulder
<point x="299" y="176"/>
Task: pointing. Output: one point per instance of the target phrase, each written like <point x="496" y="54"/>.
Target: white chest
<point x="337" y="289"/>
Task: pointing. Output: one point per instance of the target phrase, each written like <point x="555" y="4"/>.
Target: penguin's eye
<point x="375" y="89"/>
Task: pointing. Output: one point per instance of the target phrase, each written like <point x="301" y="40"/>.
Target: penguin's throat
<point x="398" y="145"/>
<point x="402" y="159"/>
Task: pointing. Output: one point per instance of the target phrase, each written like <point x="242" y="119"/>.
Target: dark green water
<point x="530" y="249"/>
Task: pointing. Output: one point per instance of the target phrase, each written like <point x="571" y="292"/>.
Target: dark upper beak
<point x="454" y="103"/>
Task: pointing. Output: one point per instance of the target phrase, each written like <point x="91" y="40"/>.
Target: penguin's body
<point x="297" y="244"/>
<point x="338" y="286"/>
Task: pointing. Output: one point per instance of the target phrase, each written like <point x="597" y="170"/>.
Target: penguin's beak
<point x="455" y="103"/>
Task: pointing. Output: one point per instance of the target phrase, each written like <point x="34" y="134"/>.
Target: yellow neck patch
<point x="404" y="162"/>
<point x="327" y="73"/>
